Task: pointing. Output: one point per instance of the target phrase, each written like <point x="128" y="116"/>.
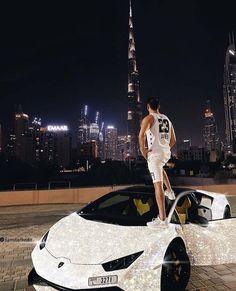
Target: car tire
<point x="227" y="213"/>
<point x="175" y="269"/>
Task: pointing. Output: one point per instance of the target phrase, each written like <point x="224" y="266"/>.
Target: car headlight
<point x="43" y="241"/>
<point x="121" y="263"/>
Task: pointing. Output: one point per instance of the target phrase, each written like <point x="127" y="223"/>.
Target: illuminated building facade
<point x="83" y="126"/>
<point x="110" y="143"/>
<point x="121" y="147"/>
<point x="11" y="143"/>
<point x="36" y="144"/>
<point x="21" y="126"/>
<point x="90" y="136"/>
<point x="57" y="143"/>
<point x="37" y="136"/>
<point x="101" y="142"/>
<point x="31" y="152"/>
<point x="229" y="91"/>
<point x="93" y="131"/>
<point x="210" y="132"/>
<point x="134" y="102"/>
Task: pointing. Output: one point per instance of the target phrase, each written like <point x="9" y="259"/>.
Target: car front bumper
<point x="41" y="284"/>
<point x="47" y="276"/>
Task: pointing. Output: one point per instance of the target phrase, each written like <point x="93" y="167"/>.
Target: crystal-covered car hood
<point x="89" y="242"/>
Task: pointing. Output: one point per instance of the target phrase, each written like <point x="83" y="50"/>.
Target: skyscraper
<point x="37" y="135"/>
<point x="101" y="142"/>
<point x="11" y="145"/>
<point x="56" y="145"/>
<point x="134" y="102"/>
<point x="210" y="132"/>
<point x="83" y="127"/>
<point x="90" y="137"/>
<point x="110" y="142"/>
<point x="229" y="90"/>
<point x="93" y="131"/>
<point x="21" y="127"/>
<point x="121" y="147"/>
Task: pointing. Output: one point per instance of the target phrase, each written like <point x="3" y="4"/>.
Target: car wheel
<point x="227" y="213"/>
<point x="175" y="269"/>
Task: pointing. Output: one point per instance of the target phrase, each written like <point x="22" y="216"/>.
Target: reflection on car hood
<point x="84" y="241"/>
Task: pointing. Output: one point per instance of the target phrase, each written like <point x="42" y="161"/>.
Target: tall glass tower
<point x="229" y="90"/>
<point x="83" y="127"/>
<point x="134" y="102"/>
<point x="210" y="132"/>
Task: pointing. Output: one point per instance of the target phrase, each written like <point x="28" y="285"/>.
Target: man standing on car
<point x="160" y="134"/>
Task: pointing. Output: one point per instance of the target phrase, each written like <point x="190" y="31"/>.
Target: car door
<point x="209" y="242"/>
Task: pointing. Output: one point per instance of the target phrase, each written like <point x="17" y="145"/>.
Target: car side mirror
<point x="201" y="216"/>
<point x="200" y="220"/>
<point x="204" y="212"/>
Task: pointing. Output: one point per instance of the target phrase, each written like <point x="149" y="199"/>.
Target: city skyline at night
<point x="53" y="67"/>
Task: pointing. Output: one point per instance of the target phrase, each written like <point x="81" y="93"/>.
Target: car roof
<point x="150" y="189"/>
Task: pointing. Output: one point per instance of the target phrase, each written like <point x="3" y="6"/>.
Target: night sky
<point x="57" y="56"/>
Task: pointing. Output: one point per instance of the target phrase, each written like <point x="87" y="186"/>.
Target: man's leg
<point x="169" y="191"/>
<point x="155" y="166"/>
<point x="160" y="198"/>
<point x="166" y="181"/>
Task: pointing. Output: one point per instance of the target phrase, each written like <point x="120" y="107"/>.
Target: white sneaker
<point x="156" y="222"/>
<point x="170" y="194"/>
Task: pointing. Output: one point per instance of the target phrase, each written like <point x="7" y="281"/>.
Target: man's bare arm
<point x="145" y="125"/>
<point x="172" y="137"/>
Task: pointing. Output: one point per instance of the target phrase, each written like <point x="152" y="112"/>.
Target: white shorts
<point x="155" y="166"/>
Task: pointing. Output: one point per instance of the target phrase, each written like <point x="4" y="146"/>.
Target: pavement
<point x="22" y="226"/>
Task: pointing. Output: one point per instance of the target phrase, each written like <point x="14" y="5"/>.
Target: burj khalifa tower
<point x="134" y="102"/>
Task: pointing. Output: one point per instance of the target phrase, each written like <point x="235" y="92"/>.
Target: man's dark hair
<point x="153" y="102"/>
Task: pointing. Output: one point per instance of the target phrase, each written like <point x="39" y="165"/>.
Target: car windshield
<point x="123" y="208"/>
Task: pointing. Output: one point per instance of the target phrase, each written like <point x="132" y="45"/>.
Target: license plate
<point x="103" y="280"/>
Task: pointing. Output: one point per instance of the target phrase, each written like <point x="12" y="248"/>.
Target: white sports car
<point x="107" y="245"/>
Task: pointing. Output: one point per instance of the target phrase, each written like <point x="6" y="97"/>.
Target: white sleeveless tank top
<point x="158" y="137"/>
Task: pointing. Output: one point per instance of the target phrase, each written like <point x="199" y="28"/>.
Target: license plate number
<point x="102" y="280"/>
